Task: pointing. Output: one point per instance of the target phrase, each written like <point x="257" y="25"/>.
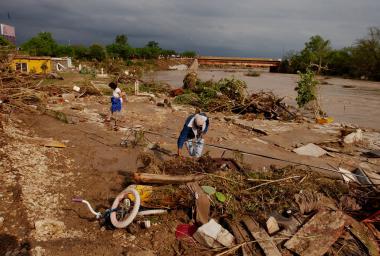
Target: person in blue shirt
<point x="192" y="133"/>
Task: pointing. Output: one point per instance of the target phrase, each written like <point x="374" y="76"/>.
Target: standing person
<point x="116" y="101"/>
<point x="192" y="134"/>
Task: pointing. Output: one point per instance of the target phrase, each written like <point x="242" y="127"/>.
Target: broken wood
<point x="317" y="236"/>
<point x="263" y="239"/>
<point x="165" y="179"/>
<point x="363" y="234"/>
<point x="273" y="181"/>
<point x="241" y="237"/>
<point x="202" y="203"/>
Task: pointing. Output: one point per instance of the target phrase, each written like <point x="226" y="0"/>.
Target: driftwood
<point x="202" y="203"/>
<point x="261" y="236"/>
<point x="241" y="237"/>
<point x="312" y="240"/>
<point x="166" y="179"/>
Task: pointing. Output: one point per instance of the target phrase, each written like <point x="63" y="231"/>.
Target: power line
<point x="269" y="157"/>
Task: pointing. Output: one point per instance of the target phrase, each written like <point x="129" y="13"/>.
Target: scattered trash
<point x="185" y="232"/>
<point x="349" y="203"/>
<point x="122" y="213"/>
<point x="76" y="88"/>
<point x="312" y="238"/>
<point x="347" y="175"/>
<point x="325" y="120"/>
<point x="202" y="203"/>
<point x="242" y="237"/>
<point x="68" y="96"/>
<point x="310" y="201"/>
<point x="353" y="137"/>
<point x="362" y="233"/>
<point x="272" y="225"/>
<point x="263" y="239"/>
<point x="213" y="235"/>
<point x="310" y="150"/>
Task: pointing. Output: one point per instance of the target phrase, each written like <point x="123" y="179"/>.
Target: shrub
<point x="306" y="88"/>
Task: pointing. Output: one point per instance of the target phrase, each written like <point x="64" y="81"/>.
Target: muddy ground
<point x="38" y="183"/>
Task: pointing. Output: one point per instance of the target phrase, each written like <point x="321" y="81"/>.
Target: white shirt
<point x="117" y="94"/>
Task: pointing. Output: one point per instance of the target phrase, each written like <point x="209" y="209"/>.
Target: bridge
<point x="239" y="62"/>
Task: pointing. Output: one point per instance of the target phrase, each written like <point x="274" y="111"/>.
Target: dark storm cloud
<point x="218" y="27"/>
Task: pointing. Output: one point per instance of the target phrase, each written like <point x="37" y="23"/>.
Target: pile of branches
<point x="278" y="192"/>
<point x="19" y="90"/>
<point x="231" y="95"/>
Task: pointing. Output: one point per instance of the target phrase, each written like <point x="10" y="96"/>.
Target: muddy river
<point x="347" y="101"/>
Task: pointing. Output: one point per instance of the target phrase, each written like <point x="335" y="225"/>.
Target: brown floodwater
<point x="346" y="100"/>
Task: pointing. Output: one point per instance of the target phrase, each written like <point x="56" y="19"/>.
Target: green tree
<point x="64" y="50"/>
<point x="96" y="52"/>
<point x="366" y="55"/>
<point x="120" y="48"/>
<point x="41" y="45"/>
<point x="188" y="54"/>
<point x="168" y="53"/>
<point x="340" y="62"/>
<point x="121" y="40"/>
<point x="152" y="44"/>
<point x="307" y="91"/>
<point x="80" y="52"/>
<point x="316" y="52"/>
<point x="4" y="42"/>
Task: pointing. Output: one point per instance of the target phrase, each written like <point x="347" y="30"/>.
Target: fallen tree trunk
<point x="166" y="179"/>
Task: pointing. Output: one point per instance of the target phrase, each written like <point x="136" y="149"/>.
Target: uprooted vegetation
<point x="231" y="95"/>
<point x="244" y="188"/>
<point x="287" y="194"/>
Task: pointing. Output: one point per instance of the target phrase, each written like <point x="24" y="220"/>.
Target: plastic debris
<point x="353" y="137"/>
<point x="213" y="235"/>
<point x="310" y="150"/>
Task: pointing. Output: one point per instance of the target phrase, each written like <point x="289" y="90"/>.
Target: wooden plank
<point x="361" y="232"/>
<point x="165" y="179"/>
<point x="317" y="236"/>
<point x="241" y="236"/>
<point x="263" y="239"/>
<point x="202" y="203"/>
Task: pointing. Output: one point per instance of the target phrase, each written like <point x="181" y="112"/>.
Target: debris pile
<point x="290" y="210"/>
<point x="230" y="95"/>
<point x="18" y="90"/>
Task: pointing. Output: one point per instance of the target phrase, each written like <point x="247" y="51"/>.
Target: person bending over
<point x="194" y="129"/>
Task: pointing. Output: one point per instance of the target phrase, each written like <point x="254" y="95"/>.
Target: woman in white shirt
<point x="116" y="100"/>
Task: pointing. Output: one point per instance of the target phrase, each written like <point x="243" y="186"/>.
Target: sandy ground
<point x="39" y="182"/>
<point x="346" y="100"/>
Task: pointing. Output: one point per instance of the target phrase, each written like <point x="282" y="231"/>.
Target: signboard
<point x="8" y="32"/>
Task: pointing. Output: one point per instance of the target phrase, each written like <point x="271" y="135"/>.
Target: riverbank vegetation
<point x="360" y="60"/>
<point x="43" y="44"/>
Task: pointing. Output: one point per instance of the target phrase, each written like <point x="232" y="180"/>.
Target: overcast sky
<point x="249" y="28"/>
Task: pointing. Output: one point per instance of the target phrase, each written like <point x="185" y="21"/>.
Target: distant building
<point x="61" y="64"/>
<point x="8" y="32"/>
<point x="32" y="64"/>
